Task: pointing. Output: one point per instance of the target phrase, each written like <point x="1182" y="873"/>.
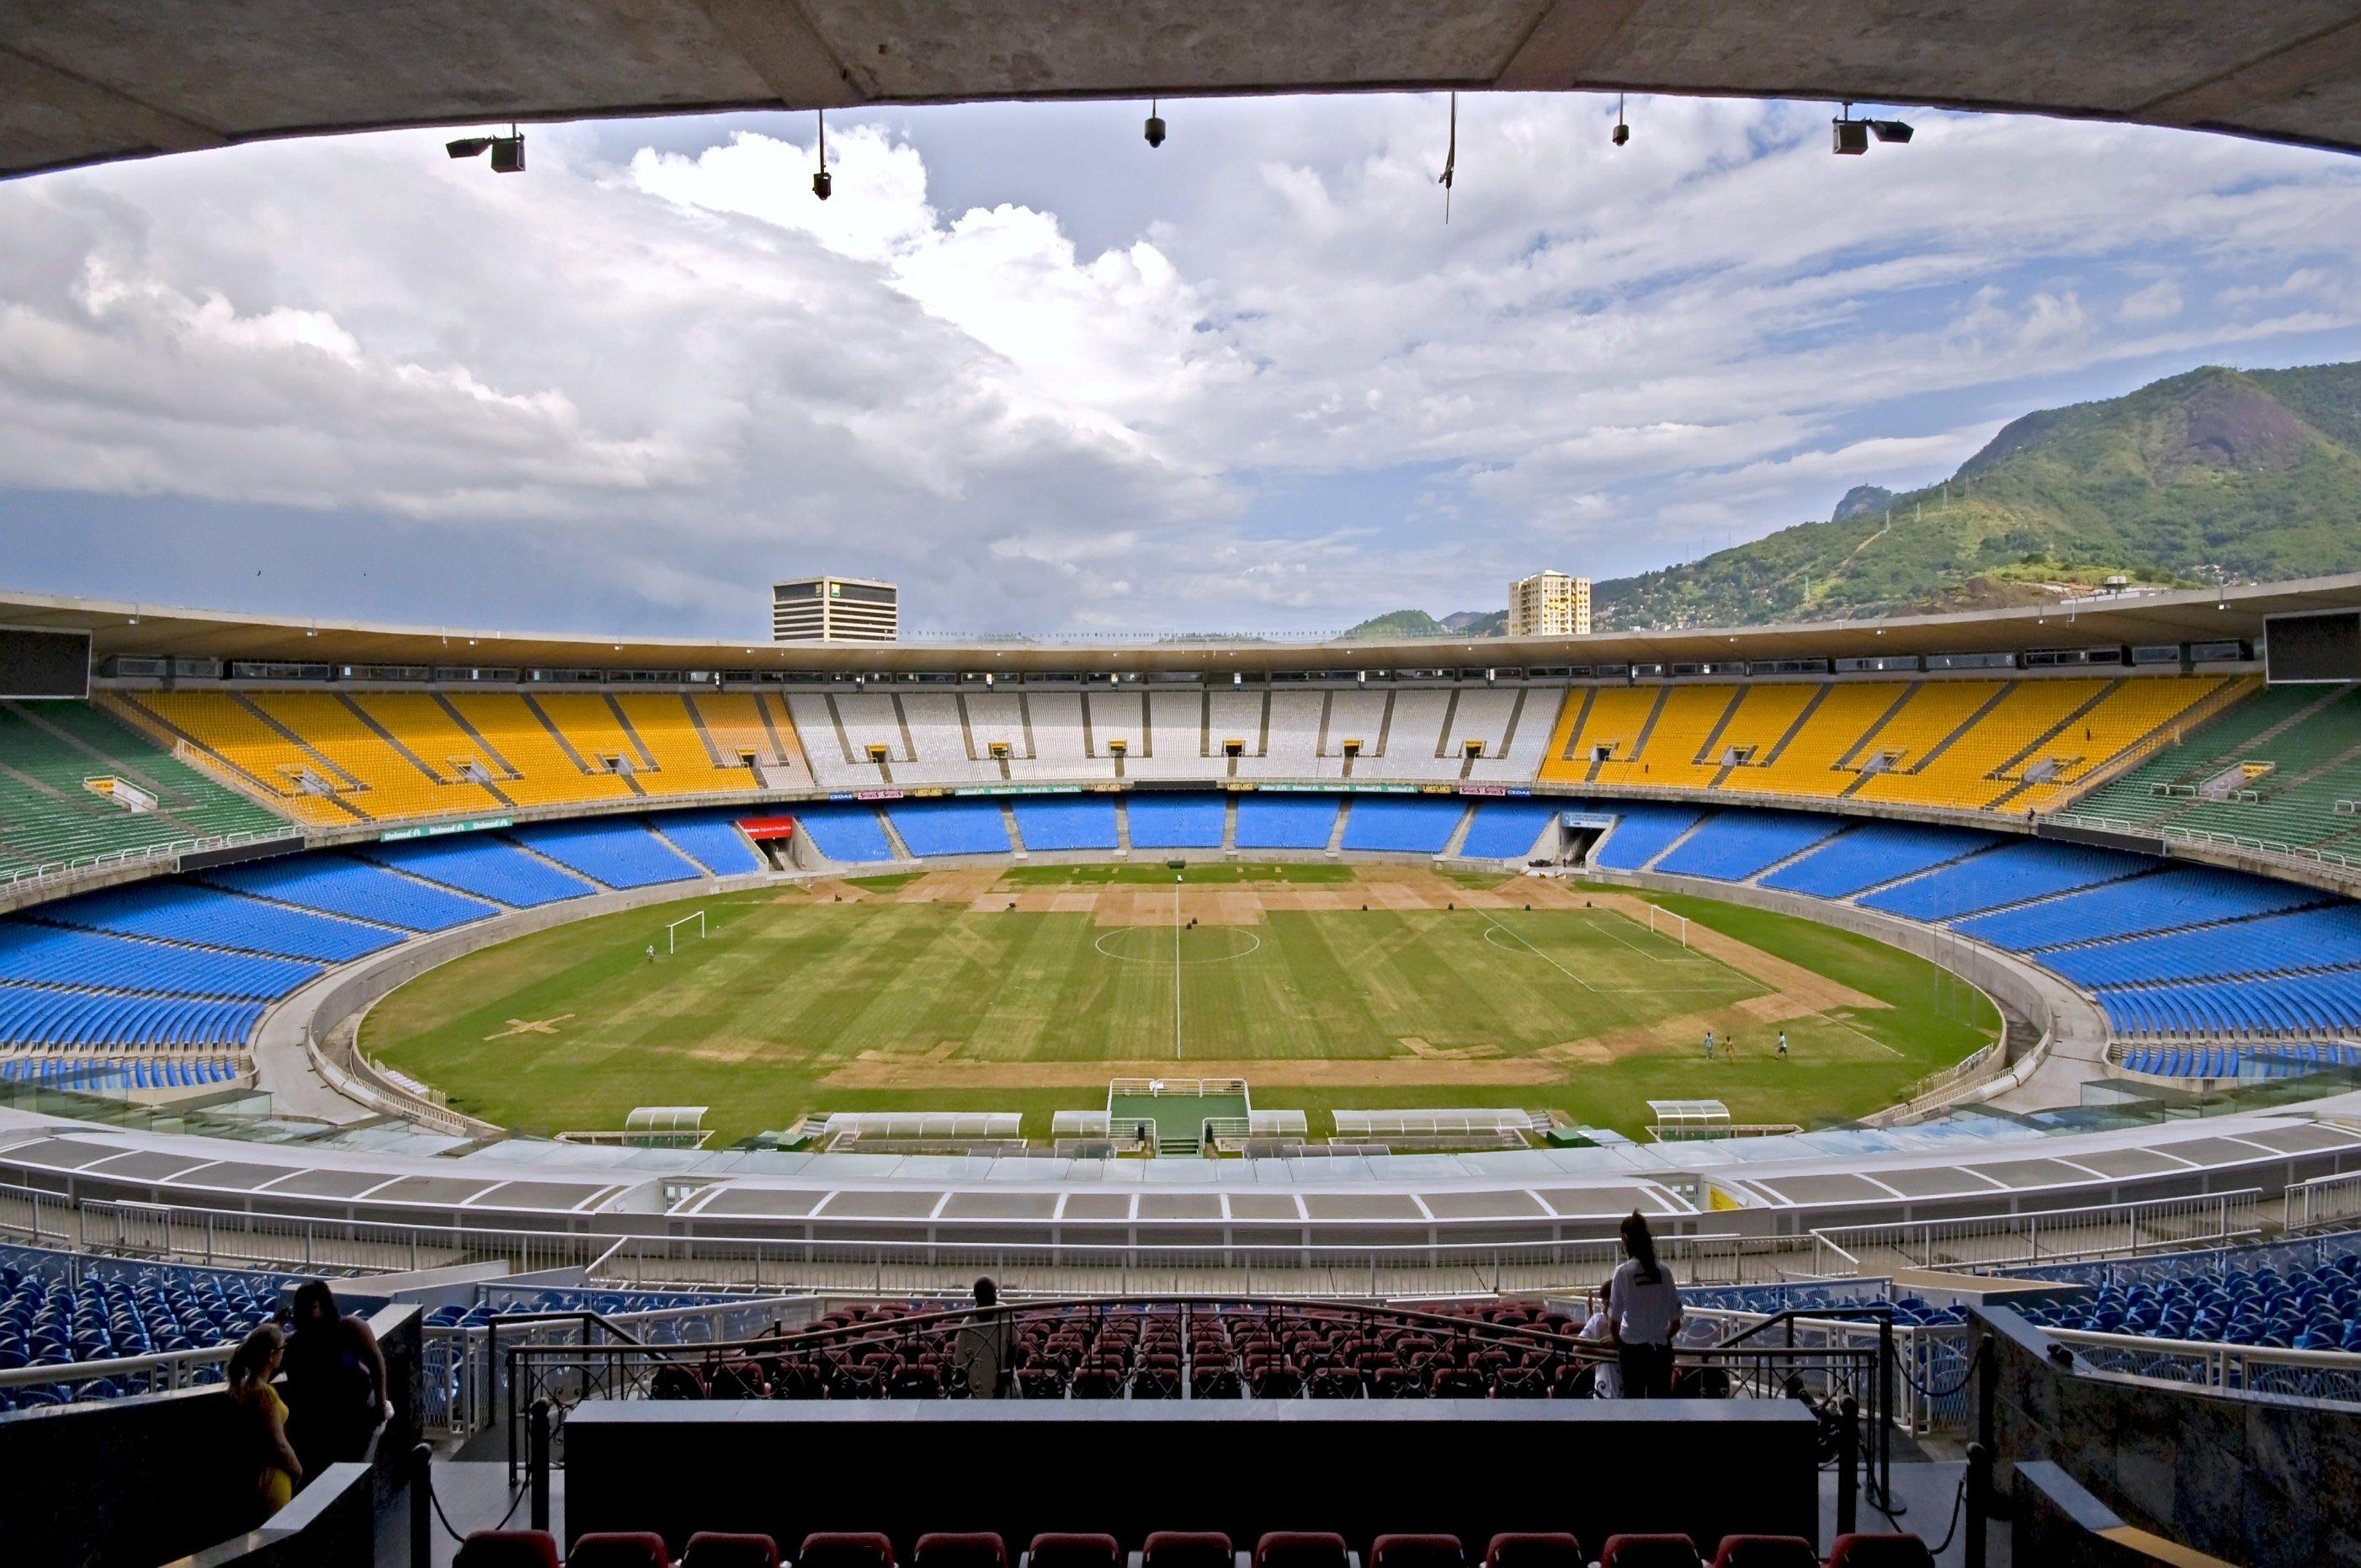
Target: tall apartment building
<point x="1549" y="604"/>
<point x="835" y="609"/>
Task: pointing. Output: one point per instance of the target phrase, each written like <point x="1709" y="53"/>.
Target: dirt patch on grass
<point x="1412" y="1072"/>
<point x="963" y="886"/>
<point x="1814" y="993"/>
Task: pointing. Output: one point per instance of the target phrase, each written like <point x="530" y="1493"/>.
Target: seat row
<point x="1182" y="1548"/>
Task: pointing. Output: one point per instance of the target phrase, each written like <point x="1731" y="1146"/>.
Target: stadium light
<point x="1622" y="131"/>
<point x="1852" y="136"/>
<point x="507" y="152"/>
<point x="1155" y="131"/>
<point x="822" y="185"/>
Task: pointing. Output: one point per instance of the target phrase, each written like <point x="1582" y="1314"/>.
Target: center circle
<point x="1153" y="944"/>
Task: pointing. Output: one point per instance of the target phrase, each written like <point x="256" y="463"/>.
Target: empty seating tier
<point x="333" y="885"/>
<point x="483" y="865"/>
<point x="931" y="828"/>
<point x="1175" y="821"/>
<point x="53" y="756"/>
<point x="1068" y="822"/>
<point x="1642" y="833"/>
<point x="179" y="912"/>
<point x="710" y="839"/>
<point x="1286" y="821"/>
<point x="2010" y="874"/>
<point x="1506" y="829"/>
<point x="847" y="834"/>
<point x="49" y="955"/>
<point x="85" y="1018"/>
<point x="618" y="851"/>
<point x="1733" y="846"/>
<point x="1874" y="853"/>
<point x="1407" y="823"/>
<point x="2191" y="895"/>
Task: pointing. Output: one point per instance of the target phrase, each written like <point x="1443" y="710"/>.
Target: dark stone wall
<point x="129" y="1483"/>
<point x="332" y="1523"/>
<point x="2256" y="1478"/>
<point x="2059" y="1524"/>
<point x="1361" y="1467"/>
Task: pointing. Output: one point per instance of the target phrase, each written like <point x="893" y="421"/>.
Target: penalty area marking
<point x="1105" y="951"/>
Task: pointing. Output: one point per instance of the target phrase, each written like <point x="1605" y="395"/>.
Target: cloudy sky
<point x="1047" y="378"/>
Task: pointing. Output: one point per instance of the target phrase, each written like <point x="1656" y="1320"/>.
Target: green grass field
<point x="794" y="1004"/>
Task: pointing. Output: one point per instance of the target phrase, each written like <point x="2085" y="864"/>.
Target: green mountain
<point x="2216" y="475"/>
<point x="1398" y="623"/>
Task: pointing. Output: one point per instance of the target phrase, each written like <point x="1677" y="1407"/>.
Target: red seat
<point x="1417" y="1551"/>
<point x="1059" y="1550"/>
<point x="845" y="1549"/>
<point x="1649" y="1552"/>
<point x="1766" y="1551"/>
<point x="1302" y="1549"/>
<point x="718" y="1549"/>
<point x="618" y="1549"/>
<point x="960" y="1549"/>
<point x="508" y="1549"/>
<point x="1901" y="1550"/>
<point x="1187" y="1548"/>
<point x="1534" y="1548"/>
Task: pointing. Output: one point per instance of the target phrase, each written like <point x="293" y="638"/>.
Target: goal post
<point x="1680" y="923"/>
<point x="672" y="932"/>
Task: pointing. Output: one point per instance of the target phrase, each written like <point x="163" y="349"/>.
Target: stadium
<point x="654" y="1039"/>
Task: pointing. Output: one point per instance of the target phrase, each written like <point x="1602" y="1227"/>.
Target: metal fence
<point x="2000" y="1241"/>
<point x="118" y="1376"/>
<point x="55" y="873"/>
<point x="462" y="1375"/>
<point x="2324" y="1200"/>
<point x="2325" y="1374"/>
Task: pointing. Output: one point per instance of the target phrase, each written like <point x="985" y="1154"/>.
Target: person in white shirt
<point x="1643" y="1314"/>
<point x="1598" y="1330"/>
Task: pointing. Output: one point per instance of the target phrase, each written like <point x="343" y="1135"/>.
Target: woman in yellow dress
<point x="264" y="1414"/>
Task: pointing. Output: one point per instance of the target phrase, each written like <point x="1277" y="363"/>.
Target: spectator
<point x="1598" y="1330"/>
<point x="337" y="1380"/>
<point x="982" y="1360"/>
<point x="1643" y="1314"/>
<point x="263" y="1417"/>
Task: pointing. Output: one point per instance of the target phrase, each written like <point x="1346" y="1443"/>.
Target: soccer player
<point x="1783" y="1045"/>
<point x="1708" y="1044"/>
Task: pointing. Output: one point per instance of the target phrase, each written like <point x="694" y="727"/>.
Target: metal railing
<point x="558" y="1377"/>
<point x="462" y="1382"/>
<point x="2110" y="1230"/>
<point x="2324" y="1374"/>
<point x="51" y="871"/>
<point x="156" y="1374"/>
<point x="2323" y="1201"/>
<point x="2266" y="849"/>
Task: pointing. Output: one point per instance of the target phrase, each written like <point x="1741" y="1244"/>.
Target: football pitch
<point x="1028" y="989"/>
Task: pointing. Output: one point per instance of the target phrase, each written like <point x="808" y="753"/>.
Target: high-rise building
<point x="835" y="609"/>
<point x="1549" y="604"/>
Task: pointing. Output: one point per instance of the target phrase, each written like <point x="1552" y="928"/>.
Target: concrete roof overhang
<point x="90" y="80"/>
<point x="2204" y="616"/>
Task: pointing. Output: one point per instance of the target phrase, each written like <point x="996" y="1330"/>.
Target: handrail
<point x="172" y="1360"/>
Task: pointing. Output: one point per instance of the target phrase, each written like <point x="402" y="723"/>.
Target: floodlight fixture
<point x="822" y="184"/>
<point x="1852" y="138"/>
<point x="507" y="152"/>
<point x="1622" y="130"/>
<point x="1896" y="131"/>
<point x="1155" y="125"/>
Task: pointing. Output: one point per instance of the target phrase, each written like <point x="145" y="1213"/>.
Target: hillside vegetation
<point x="2228" y="475"/>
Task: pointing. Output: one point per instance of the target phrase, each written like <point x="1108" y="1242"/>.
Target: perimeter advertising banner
<point x="436" y="829"/>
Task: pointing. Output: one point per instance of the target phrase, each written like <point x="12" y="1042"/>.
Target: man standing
<point x="1783" y="1045"/>
<point x="1708" y="1044"/>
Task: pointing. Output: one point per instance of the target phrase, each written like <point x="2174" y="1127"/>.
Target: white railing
<point x="2324" y="1375"/>
<point x="2057" y="1235"/>
<point x="154" y="1373"/>
<point x="2267" y="849"/>
<point x="2324" y="1200"/>
<point x="51" y="871"/>
<point x="1932" y="1359"/>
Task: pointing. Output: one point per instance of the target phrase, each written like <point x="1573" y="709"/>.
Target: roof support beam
<point x="2230" y="100"/>
<point x="778" y="41"/>
<point x="1566" y="38"/>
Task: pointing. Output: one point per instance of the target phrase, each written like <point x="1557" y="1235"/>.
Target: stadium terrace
<point x="2068" y="894"/>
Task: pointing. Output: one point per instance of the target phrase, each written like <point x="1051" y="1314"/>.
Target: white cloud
<point x="1292" y="396"/>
